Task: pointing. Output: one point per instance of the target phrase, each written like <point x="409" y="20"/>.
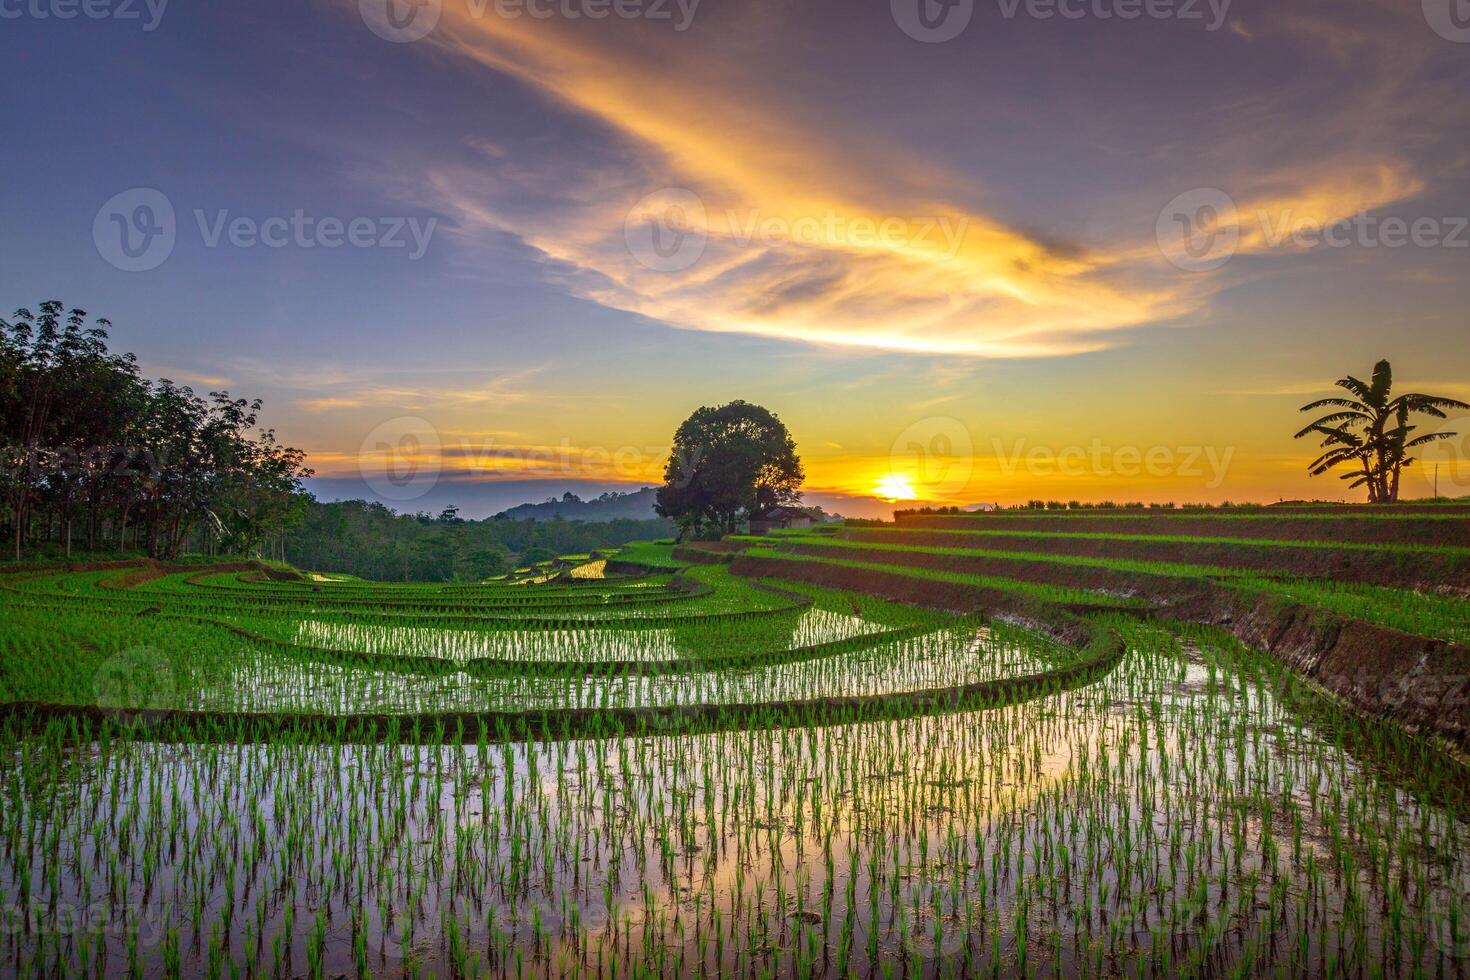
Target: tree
<point x="727" y="464"/>
<point x="1372" y="429"/>
<point x="536" y="555"/>
<point x="371" y="541"/>
<point x="84" y="439"/>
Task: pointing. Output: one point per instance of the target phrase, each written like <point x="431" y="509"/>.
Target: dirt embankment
<point x="946" y="596"/>
<point x="149" y="570"/>
<point x="1418" y="682"/>
<point x="631" y="569"/>
<point x="1421" y="683"/>
<point x="1392" y="510"/>
<point x="706" y="553"/>
<point x="28" y="568"/>
<point x="136" y="571"/>
<point x="1404" y="569"/>
<point x="1155" y="588"/>
<point x="1403" y="530"/>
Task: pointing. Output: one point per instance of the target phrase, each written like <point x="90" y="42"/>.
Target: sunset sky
<point x="956" y="268"/>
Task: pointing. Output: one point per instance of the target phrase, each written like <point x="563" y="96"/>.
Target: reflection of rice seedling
<point x="133" y="681"/>
<point x="1189" y="808"/>
<point x="1449" y="928"/>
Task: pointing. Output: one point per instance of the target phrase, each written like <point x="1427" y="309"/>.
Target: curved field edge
<point x="1102" y="650"/>
<point x="1432" y="767"/>
<point x="505" y="667"/>
<point x="1430" y="615"/>
<point x="1371" y="564"/>
<point x="1419" y="682"/>
<point x="1400" y="528"/>
<point x="685" y="589"/>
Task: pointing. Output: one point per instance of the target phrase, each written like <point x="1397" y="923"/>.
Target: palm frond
<point x="1357" y="387"/>
<point x="1335" y="403"/>
<point x="1328" y="421"/>
<point x="1429" y="404"/>
<point x="1431" y="437"/>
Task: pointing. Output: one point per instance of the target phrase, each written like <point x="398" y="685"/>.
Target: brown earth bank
<point x="68" y="566"/>
<point x="718" y="547"/>
<point x="706" y="553"/>
<point x="152" y="571"/>
<point x="1155" y="588"/>
<point x="1405" y="569"/>
<point x="1421" y="683"/>
<point x="954" y="597"/>
<point x="139" y="570"/>
<point x="1457" y="509"/>
<point x="1408" y="530"/>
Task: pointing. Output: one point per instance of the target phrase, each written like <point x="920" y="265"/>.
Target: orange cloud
<point x="733" y="214"/>
<point x="797" y="238"/>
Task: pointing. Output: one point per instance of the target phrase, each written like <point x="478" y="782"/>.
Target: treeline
<point x="96" y="456"/>
<point x="372" y="541"/>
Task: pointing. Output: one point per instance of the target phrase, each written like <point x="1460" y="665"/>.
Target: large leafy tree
<point x="728" y="463"/>
<point x="85" y="441"/>
<point x="1372" y="430"/>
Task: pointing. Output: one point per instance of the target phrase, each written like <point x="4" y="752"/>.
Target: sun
<point x="895" y="486"/>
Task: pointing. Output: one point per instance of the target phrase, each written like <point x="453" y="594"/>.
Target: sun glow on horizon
<point x="895" y="487"/>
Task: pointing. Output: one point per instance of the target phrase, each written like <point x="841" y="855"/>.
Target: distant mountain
<point x="637" y="506"/>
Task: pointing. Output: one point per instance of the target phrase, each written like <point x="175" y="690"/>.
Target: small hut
<point x="779" y="518"/>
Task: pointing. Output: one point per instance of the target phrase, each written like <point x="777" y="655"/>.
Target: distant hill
<point x="637" y="506"/>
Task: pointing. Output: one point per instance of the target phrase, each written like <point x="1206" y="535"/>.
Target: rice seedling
<point x="711" y="776"/>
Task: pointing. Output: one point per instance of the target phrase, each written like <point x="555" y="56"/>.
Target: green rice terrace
<point x="1101" y="743"/>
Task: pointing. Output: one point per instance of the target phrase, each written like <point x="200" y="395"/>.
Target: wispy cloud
<point x="786" y="211"/>
<point x="808" y="235"/>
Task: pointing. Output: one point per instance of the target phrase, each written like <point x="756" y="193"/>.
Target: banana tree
<point x="1373" y="428"/>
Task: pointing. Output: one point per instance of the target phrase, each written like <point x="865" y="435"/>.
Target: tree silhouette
<point x="728" y="463"/>
<point x="1373" y="430"/>
<point x="84" y="438"/>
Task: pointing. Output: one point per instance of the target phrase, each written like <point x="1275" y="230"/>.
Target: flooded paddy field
<point x="1188" y="807"/>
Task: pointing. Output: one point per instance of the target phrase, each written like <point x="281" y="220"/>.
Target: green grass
<point x="1440" y="616"/>
<point x="1175" y="569"/>
<point x="1445" y="617"/>
<point x="1193" y="805"/>
<point x="1232" y="514"/>
<point x="812" y="782"/>
<point x="1043" y="592"/>
<point x="1390" y="547"/>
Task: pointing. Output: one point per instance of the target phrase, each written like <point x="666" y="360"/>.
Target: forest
<point x="372" y="541"/>
<point x="93" y="456"/>
<point x="96" y="459"/>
